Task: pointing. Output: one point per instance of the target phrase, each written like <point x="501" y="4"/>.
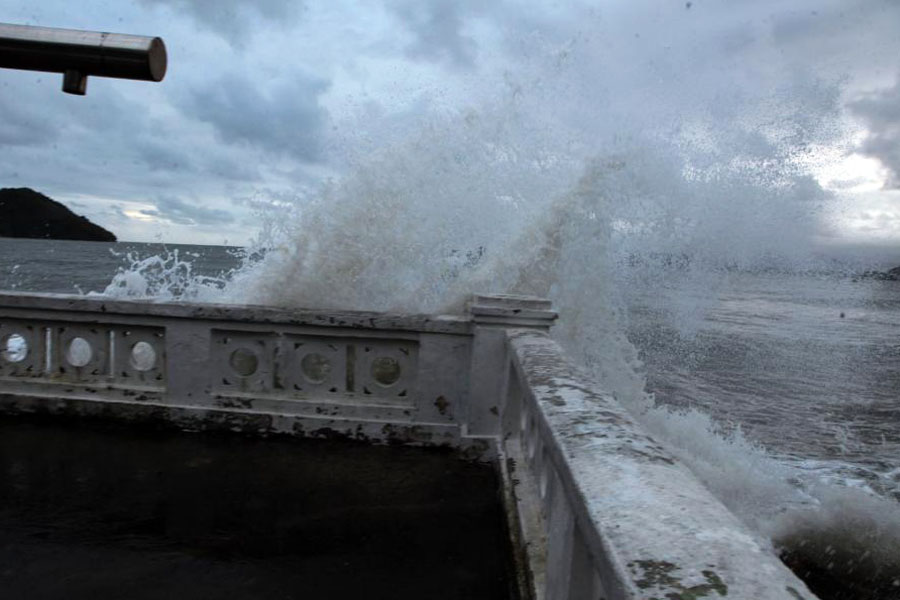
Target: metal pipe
<point x="78" y="54"/>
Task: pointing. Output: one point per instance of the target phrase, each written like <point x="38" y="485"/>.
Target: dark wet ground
<point x="96" y="511"/>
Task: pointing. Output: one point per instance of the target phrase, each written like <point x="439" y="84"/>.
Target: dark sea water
<point x="808" y="366"/>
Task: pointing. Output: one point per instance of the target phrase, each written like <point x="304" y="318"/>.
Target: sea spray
<point x="396" y="235"/>
<point x="166" y="276"/>
<point x="389" y="234"/>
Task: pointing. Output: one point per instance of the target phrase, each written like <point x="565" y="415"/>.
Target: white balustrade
<point x="348" y="374"/>
<point x="604" y="510"/>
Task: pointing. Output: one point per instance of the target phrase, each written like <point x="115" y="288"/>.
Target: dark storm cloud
<point x="158" y="154"/>
<point x="881" y="115"/>
<point x="22" y="123"/>
<point x="436" y="26"/>
<point x="284" y="118"/>
<point x="49" y="138"/>
<point x="232" y="19"/>
<point x="178" y="211"/>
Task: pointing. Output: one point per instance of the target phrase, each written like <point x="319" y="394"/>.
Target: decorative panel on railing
<point x="80" y="353"/>
<point x="303" y="367"/>
<point x="22" y="349"/>
<point x="83" y="353"/>
<point x="139" y="356"/>
<point x="364" y="375"/>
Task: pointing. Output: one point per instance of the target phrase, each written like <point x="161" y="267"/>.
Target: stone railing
<point x="597" y="508"/>
<point x="604" y="510"/>
<point x="352" y="374"/>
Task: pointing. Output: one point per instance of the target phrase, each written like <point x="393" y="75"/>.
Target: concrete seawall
<point x="596" y="508"/>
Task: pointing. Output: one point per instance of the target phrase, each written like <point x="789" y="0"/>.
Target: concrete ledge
<point x="623" y="518"/>
<point x="257" y="423"/>
<point x="511" y="311"/>
<point x="97" y="306"/>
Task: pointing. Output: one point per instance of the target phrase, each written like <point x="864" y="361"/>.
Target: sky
<point x="264" y="98"/>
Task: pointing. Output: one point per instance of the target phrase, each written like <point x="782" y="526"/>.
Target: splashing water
<point x="607" y="166"/>
<point x="166" y="277"/>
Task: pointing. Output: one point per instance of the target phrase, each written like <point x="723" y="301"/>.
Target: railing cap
<point x="511" y="311"/>
<point x="650" y="527"/>
<point x="129" y="308"/>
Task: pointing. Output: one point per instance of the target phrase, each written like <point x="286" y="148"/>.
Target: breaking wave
<point x="593" y="183"/>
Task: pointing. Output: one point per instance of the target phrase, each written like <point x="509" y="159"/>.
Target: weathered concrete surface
<point x="358" y="374"/>
<point x="258" y="423"/>
<point x="623" y="517"/>
<point x="97" y="511"/>
<point x="491" y="316"/>
<point x="101" y="308"/>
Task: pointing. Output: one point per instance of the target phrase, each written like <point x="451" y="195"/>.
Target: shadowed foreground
<point x="103" y="512"/>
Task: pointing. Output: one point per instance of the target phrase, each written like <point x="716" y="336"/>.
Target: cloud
<point x="258" y="90"/>
<point x="23" y="123"/>
<point x="880" y="112"/>
<point x="436" y="26"/>
<point x="233" y="19"/>
<point x="159" y="156"/>
<point x="284" y="118"/>
<point x="178" y="211"/>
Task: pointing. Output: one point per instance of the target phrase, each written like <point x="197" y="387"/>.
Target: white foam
<point x="165" y="276"/>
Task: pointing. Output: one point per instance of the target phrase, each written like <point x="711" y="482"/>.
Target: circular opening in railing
<point x="386" y="370"/>
<point x="143" y="356"/>
<point x="79" y="352"/>
<point x="243" y="362"/>
<point x="315" y="368"/>
<point x="13" y="348"/>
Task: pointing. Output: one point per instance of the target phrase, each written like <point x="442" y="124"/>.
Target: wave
<point x="604" y="167"/>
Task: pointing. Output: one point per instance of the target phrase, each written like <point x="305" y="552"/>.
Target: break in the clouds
<point x="881" y="113"/>
<point x="183" y="212"/>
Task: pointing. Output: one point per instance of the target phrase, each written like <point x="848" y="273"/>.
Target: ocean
<point x="807" y="366"/>
<point x="780" y="390"/>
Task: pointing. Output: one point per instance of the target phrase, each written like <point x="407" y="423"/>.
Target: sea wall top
<point x="99" y="305"/>
<point x="622" y="518"/>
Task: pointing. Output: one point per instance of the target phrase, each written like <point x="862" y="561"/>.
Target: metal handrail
<point x="78" y="54"/>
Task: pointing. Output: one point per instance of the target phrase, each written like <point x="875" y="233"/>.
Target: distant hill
<point x="25" y="213"/>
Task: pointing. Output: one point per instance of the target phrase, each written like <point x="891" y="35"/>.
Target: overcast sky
<point x="266" y="97"/>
